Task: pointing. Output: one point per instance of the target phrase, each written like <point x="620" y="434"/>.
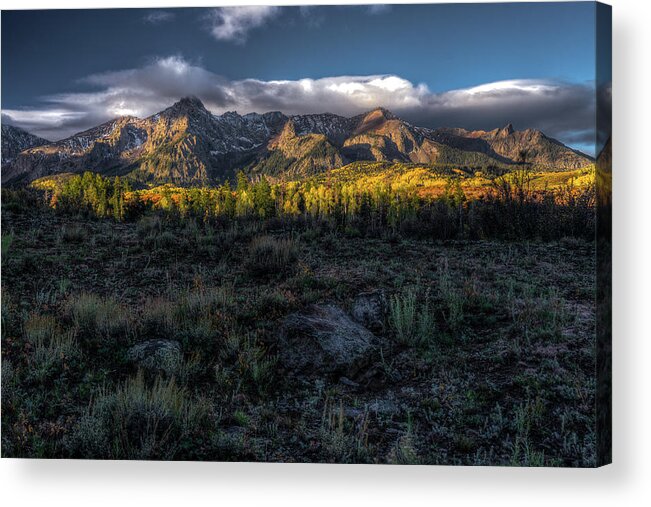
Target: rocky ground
<point x="249" y="341"/>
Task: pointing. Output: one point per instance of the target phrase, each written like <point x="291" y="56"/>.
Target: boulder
<point x="157" y="355"/>
<point x="369" y="309"/>
<point x="324" y="339"/>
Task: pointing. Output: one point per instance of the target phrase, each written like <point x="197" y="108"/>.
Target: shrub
<point x="10" y="320"/>
<point x="201" y="335"/>
<point x="99" y="317"/>
<point x="20" y="200"/>
<point x="73" y="233"/>
<point x="190" y="369"/>
<point x="537" y="316"/>
<point x="159" y="317"/>
<point x="166" y="239"/>
<point x="402" y="316"/>
<point x="137" y="421"/>
<point x="453" y="300"/>
<point x="150" y="230"/>
<point x="272" y="302"/>
<point x="253" y="369"/>
<point x="53" y="356"/>
<point x="404" y="452"/>
<point x="8" y="383"/>
<point x="7" y="240"/>
<point x="256" y="367"/>
<point x="527" y="416"/>
<point x="40" y="328"/>
<point x="342" y="440"/>
<point x="149" y="226"/>
<point x="200" y="302"/>
<point x="412" y="323"/>
<point x="268" y="255"/>
<point x="193" y="317"/>
<point x="523" y="455"/>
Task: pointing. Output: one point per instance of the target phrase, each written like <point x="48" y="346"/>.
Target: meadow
<point x="153" y="323"/>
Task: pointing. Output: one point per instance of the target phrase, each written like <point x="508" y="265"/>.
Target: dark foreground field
<point x="480" y="353"/>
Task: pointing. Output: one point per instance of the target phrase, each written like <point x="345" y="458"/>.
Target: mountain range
<point x="186" y="144"/>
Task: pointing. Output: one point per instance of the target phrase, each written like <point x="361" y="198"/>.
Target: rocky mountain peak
<point x="381" y="111"/>
<point x="188" y="105"/>
<point x="234" y="114"/>
<point x="191" y="101"/>
<point x="373" y="119"/>
<point x="379" y="114"/>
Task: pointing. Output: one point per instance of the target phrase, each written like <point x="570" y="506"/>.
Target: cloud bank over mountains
<point x="565" y="111"/>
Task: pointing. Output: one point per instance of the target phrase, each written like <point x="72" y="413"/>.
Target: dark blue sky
<point x="444" y="47"/>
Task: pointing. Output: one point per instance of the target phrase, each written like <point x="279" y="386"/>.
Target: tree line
<point x="509" y="208"/>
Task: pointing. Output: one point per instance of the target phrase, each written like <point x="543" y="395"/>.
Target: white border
<point x="626" y="482"/>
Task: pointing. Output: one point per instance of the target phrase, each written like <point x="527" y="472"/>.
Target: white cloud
<point x="344" y="95"/>
<point x="376" y="9"/>
<point x="562" y="110"/>
<point x="157" y="17"/>
<point x="234" y="23"/>
<point x="51" y="124"/>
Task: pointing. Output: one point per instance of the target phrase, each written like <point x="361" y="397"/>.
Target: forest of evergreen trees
<point x="363" y="206"/>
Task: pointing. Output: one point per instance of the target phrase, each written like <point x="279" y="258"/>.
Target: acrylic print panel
<point x="353" y="234"/>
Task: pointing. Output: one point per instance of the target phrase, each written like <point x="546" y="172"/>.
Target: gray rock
<point x="324" y="339"/>
<point x="157" y="355"/>
<point x="370" y="309"/>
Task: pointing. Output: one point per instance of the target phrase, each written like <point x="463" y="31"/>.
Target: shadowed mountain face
<point x="187" y="145"/>
<point x="509" y="145"/>
<point x="15" y="140"/>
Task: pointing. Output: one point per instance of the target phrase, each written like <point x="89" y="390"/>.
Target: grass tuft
<point x="268" y="255"/>
<point x="99" y="317"/>
<point x="137" y="421"/>
<point x="412" y="323"/>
